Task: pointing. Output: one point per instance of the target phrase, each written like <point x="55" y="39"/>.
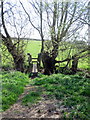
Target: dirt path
<point x="43" y="109"/>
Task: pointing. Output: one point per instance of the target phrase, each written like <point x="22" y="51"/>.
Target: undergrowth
<point x="12" y="86"/>
<point x="73" y="90"/>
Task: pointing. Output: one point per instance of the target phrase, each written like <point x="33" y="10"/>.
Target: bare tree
<point x="62" y="18"/>
<point x="14" y="48"/>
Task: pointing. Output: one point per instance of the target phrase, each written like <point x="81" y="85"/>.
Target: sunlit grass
<point x="13" y="84"/>
<point x="33" y="47"/>
<point x="32" y="98"/>
<point x="72" y="90"/>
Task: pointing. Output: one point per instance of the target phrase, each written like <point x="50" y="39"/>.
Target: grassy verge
<point x="12" y="86"/>
<point x="73" y="91"/>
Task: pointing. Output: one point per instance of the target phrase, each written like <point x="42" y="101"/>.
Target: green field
<point x="33" y="47"/>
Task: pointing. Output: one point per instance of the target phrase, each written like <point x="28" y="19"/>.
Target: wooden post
<point x="30" y="63"/>
<point x="39" y="61"/>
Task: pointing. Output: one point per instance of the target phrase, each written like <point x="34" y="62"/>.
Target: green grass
<point x="32" y="98"/>
<point x="73" y="90"/>
<point x="12" y="86"/>
<point x="84" y="63"/>
<point x="33" y="47"/>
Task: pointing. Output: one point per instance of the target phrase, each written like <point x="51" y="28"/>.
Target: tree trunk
<point x="48" y="63"/>
<point x="19" y="63"/>
<point x="74" y="65"/>
<point x="41" y="27"/>
<point x="17" y="56"/>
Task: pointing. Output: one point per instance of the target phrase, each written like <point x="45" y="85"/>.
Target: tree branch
<point x="3" y="23"/>
<point x="76" y="55"/>
<point x="29" y="18"/>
